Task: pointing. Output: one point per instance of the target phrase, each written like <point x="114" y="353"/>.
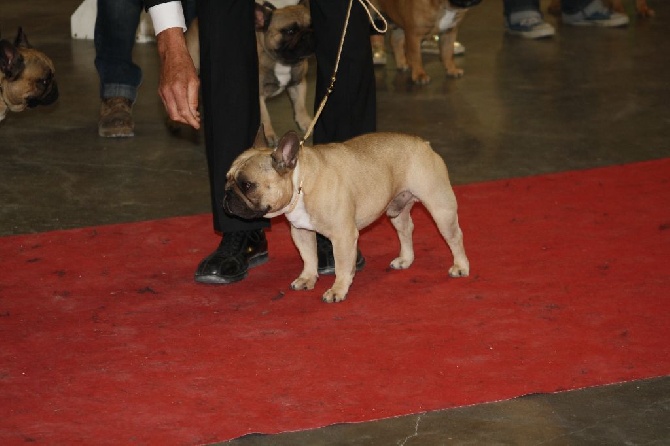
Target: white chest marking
<point x="447" y="20"/>
<point x="299" y="216"/>
<point x="295" y="211"/>
<point x="283" y="74"/>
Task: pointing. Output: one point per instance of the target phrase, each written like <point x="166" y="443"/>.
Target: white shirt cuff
<point x="167" y="15"/>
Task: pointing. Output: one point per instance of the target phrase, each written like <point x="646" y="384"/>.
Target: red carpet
<point x="106" y="339"/>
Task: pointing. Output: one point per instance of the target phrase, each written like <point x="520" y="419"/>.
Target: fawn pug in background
<point x="27" y="76"/>
<point x="338" y="189"/>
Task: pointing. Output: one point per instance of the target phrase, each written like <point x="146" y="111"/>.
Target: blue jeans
<point x="567" y="6"/>
<point x="115" y="28"/>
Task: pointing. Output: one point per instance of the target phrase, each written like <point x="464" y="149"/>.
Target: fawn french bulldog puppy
<point x="338" y="189"/>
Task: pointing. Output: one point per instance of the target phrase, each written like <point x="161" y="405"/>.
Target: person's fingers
<point x="170" y="104"/>
<point x="192" y="93"/>
<point x="186" y="108"/>
<point x="179" y="83"/>
<point x="187" y="102"/>
<point x="181" y="101"/>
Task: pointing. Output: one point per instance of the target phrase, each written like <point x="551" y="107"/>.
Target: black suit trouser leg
<point x="229" y="82"/>
<point x="351" y="107"/>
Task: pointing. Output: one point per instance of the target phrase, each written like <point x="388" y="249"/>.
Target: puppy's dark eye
<point x="291" y="30"/>
<point x="246" y="186"/>
<point x="46" y="80"/>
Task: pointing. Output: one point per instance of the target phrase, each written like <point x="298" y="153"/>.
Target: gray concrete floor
<point x="585" y="98"/>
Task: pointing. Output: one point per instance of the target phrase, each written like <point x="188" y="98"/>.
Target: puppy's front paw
<point x="644" y="11"/>
<point x="421" y="79"/>
<point x="304" y="283"/>
<point x="303" y="122"/>
<point x="271" y="138"/>
<point x="400" y="263"/>
<point x="455" y="72"/>
<point x="459" y="271"/>
<point x="332" y="295"/>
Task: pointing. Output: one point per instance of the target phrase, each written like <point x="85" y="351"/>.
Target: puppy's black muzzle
<point x="464" y="3"/>
<point x="234" y="205"/>
<point x="49" y="96"/>
<point x="300" y="46"/>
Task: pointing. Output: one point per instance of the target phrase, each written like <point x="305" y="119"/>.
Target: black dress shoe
<point x="324" y="252"/>
<point x="237" y="252"/>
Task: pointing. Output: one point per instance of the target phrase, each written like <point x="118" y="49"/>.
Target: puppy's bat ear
<point x="261" y="140"/>
<point x="285" y="156"/>
<point x="304" y="3"/>
<point x="21" y="39"/>
<point x="11" y="61"/>
<point x="263" y="14"/>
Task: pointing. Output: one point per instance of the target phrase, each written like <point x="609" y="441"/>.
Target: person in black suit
<point x="230" y="92"/>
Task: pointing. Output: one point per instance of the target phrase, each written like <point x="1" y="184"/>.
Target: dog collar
<point x="290" y="207"/>
<point x="294" y="201"/>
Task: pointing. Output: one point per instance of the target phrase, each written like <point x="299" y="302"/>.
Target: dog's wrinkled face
<point x="27" y="76"/>
<point x="260" y="180"/>
<point x="285" y="33"/>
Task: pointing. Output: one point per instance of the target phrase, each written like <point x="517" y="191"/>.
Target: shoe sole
<point x="614" y="21"/>
<point x="600" y="23"/>
<point x="254" y="261"/>
<point x="115" y="133"/>
<point x="532" y="35"/>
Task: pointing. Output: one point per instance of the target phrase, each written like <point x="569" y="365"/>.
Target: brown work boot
<point x="116" y="118"/>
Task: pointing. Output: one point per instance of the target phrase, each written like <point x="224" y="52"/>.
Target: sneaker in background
<point x="529" y="24"/>
<point x="596" y="14"/>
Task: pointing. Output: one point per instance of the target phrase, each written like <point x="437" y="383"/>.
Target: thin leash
<point x="368" y="6"/>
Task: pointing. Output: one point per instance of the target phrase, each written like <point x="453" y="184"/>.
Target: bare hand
<point x="179" y="82"/>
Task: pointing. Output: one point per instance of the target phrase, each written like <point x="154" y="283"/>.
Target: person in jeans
<point x="114" y="37"/>
<point x="523" y="17"/>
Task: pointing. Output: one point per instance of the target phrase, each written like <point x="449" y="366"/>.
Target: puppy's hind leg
<point x="442" y="207"/>
<point x="399" y="213"/>
<point x="398" y="46"/>
<point x="447" y="41"/>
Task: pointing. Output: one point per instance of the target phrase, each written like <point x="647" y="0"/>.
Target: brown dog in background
<point x="420" y="19"/>
<point x="26" y="76"/>
<point x="641" y="6"/>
